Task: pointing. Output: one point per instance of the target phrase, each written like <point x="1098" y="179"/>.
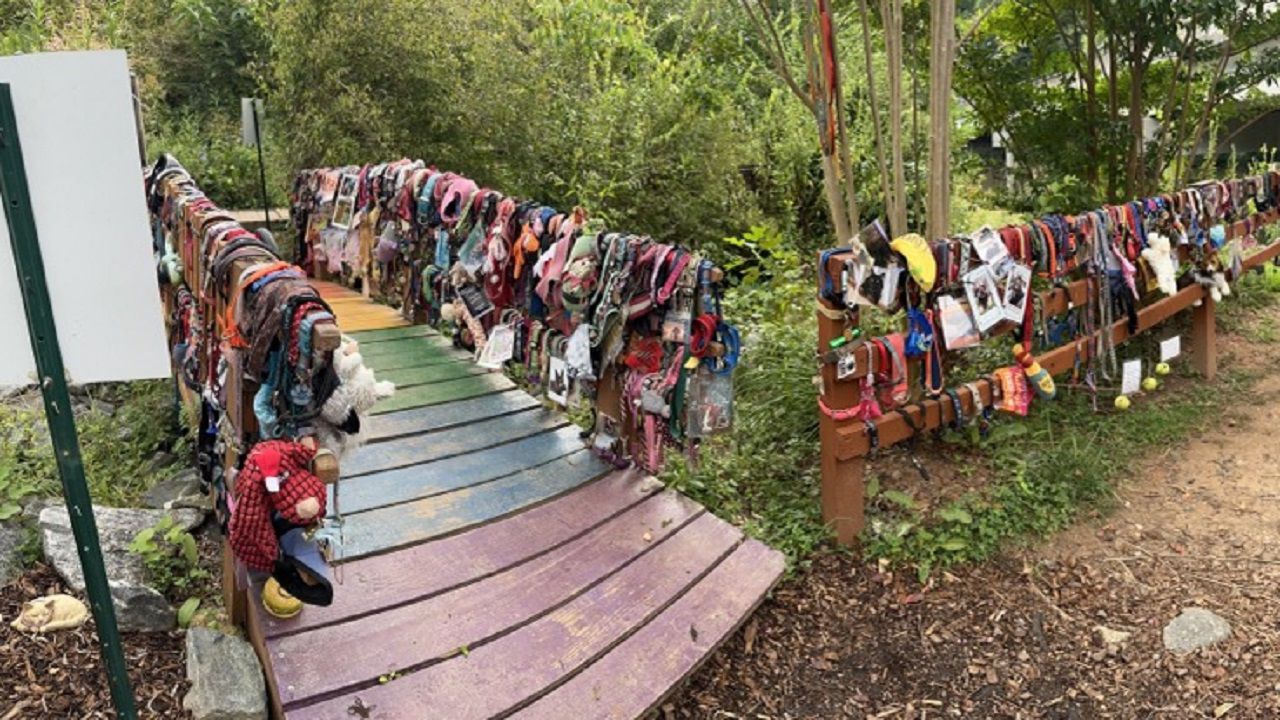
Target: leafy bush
<point x="226" y="170"/>
<point x="171" y="558"/>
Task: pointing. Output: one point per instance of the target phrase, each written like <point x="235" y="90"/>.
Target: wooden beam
<point x="1055" y="301"/>
<point x="842" y="472"/>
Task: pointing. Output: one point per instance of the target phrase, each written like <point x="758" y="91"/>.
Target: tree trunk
<point x="1135" y="164"/>
<point x="1113" y="114"/>
<point x="891" y="10"/>
<point x="1091" y="98"/>
<point x="890" y="198"/>
<point x="942" y="21"/>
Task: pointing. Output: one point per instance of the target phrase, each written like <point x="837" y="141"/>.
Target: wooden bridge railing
<point x="847" y="443"/>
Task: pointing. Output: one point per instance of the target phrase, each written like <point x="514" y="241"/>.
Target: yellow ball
<point x="1122" y="402"/>
<point x="1150" y="384"/>
<point x="1163" y="369"/>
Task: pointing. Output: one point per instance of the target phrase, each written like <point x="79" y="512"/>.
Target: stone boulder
<point x="12" y="537"/>
<point x="139" y="607"/>
<point x="226" y="679"/>
<point x="180" y="491"/>
<point x="1195" y="628"/>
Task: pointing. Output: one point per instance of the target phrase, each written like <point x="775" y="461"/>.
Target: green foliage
<point x="227" y="171"/>
<point x="171" y="558"/>
<point x="1044" y="471"/>
<point x="763" y="474"/>
<point x="117" y="449"/>
<point x="14" y="488"/>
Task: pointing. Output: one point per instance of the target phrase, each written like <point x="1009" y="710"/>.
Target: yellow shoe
<point x="920" y="262"/>
<point x="279" y="603"/>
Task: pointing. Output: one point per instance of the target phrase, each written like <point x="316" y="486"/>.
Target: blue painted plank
<point x="418" y="481"/>
<point x="447" y="415"/>
<point x="413" y="522"/>
<point x="416" y="449"/>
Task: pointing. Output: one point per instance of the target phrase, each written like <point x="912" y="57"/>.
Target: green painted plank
<point x="425" y="344"/>
<point x="404" y="484"/>
<point x="417" y="421"/>
<point x="371" y="336"/>
<point x="417" y="449"/>
<point x="408" y="377"/>
<point x="396" y="526"/>
<point x="445" y="391"/>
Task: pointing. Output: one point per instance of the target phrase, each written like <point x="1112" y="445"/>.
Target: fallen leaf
<point x="1223" y="709"/>
<point x="749" y="637"/>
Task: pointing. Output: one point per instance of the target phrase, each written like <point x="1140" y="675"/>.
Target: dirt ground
<point x="1197" y="525"/>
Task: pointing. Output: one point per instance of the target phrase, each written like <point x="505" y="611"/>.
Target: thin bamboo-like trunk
<point x="883" y="165"/>
<point x="892" y="12"/>
<point x="942" y="20"/>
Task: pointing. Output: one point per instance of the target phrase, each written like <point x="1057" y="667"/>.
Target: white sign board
<point x="1171" y="348"/>
<point x="1131" y="378"/>
<point x="79" y="144"/>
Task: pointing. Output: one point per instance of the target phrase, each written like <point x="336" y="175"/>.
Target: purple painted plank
<point x="422" y="631"/>
<point x="498" y="675"/>
<point x="382" y="581"/>
<point x="637" y="674"/>
<point x="447" y="415"/>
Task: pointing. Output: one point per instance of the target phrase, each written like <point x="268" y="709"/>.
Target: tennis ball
<point x="1163" y="369"/>
<point x="1150" y="384"/>
<point x="1122" y="402"/>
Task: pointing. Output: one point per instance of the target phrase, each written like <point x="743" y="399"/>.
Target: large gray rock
<point x="1195" y="628"/>
<point x="226" y="679"/>
<point x="180" y="491"/>
<point x="138" y="606"/>
<point x="12" y="536"/>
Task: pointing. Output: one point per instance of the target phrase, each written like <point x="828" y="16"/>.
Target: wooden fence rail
<point x="846" y="443"/>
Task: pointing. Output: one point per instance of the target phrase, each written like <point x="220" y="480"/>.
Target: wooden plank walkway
<point x="492" y="567"/>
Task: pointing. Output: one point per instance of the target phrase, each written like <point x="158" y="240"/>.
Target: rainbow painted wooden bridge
<point x="492" y="567"/>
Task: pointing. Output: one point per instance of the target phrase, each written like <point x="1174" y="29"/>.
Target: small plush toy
<point x="276" y="478"/>
<point x="51" y="612"/>
<point x="1037" y="376"/>
<point x="1159" y="255"/>
<point x="338" y="428"/>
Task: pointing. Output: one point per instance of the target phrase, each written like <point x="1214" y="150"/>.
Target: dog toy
<point x="1150" y="384"/>
<point x="1159" y="255"/>
<point x="1037" y="376"/>
<point x="920" y="261"/>
<point x="276" y="477"/>
<point x="1163" y="368"/>
<point x="338" y="428"/>
<point x="1122" y="402"/>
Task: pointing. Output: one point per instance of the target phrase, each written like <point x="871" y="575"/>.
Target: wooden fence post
<point x="1204" y="338"/>
<point x="842" y="472"/>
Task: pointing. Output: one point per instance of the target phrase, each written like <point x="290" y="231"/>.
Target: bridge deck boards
<point x="491" y="566"/>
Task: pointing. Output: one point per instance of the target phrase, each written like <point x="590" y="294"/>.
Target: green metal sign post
<point x="57" y="400"/>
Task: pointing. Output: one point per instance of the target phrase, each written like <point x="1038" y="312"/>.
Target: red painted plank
<point x="374" y="583"/>
<point x="637" y="674"/>
<point x="498" y="675"/>
<point x="433" y="628"/>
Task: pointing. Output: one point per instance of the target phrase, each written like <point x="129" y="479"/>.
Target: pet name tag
<point x="273" y="483"/>
<point x="478" y="304"/>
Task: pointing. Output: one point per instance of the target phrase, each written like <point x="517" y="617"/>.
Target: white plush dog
<point x="357" y="391"/>
<point x="1159" y="256"/>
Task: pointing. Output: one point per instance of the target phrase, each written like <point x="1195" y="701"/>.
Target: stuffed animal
<point x="1037" y="377"/>
<point x="51" y="612"/>
<point x="276" y="478"/>
<point x="1159" y="255"/>
<point x="338" y="428"/>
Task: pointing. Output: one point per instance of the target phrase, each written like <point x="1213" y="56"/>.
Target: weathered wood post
<point x="842" y="467"/>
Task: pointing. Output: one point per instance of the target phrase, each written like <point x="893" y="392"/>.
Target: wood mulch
<point x="59" y="674"/>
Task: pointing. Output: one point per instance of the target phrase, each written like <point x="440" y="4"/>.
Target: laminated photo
<point x="985" y="298"/>
<point x="1017" y="289"/>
